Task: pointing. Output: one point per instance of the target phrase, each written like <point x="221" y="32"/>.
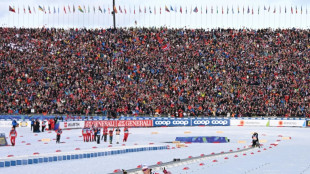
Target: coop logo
<point x="201" y="122"/>
<point x="162" y="123"/>
<point x="178" y="122"/>
<point x="211" y="122"/>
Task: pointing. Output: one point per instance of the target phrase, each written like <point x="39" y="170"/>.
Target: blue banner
<point x="210" y="122"/>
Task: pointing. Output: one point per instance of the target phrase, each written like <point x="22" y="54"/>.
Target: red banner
<point x="120" y="123"/>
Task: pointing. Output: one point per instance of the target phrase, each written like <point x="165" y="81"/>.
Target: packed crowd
<point x="176" y="72"/>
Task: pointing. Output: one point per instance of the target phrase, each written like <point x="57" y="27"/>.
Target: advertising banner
<point x="3" y="141"/>
<point x="172" y="122"/>
<point x="120" y="123"/>
<point x="5" y="123"/>
<point x="308" y="123"/>
<point x="288" y="123"/>
<point x="253" y="122"/>
<point x="210" y="122"/>
<point x="71" y="125"/>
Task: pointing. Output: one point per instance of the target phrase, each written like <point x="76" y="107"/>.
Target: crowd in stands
<point x="138" y="71"/>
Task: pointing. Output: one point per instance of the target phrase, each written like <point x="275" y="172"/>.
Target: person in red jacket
<point x="58" y="132"/>
<point x="84" y="133"/>
<point x="88" y="134"/>
<point x="52" y="124"/>
<point x="126" y="133"/>
<point x="111" y="135"/>
<point x="13" y="135"/>
<point x="105" y="133"/>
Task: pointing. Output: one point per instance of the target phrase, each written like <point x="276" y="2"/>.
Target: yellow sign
<point x="46" y="139"/>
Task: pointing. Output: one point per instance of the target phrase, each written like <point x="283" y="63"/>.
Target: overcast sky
<point x="173" y="19"/>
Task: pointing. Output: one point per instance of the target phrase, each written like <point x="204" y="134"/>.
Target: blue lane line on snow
<point x="54" y="158"/>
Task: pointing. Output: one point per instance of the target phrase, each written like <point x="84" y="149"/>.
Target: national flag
<point x="11" y="9"/>
<point x="296" y="9"/>
<point x="80" y="9"/>
<point x="154" y="10"/>
<point x="34" y="10"/>
<point x="73" y="9"/>
<point x="18" y="10"/>
<point x="114" y="9"/>
<point x="54" y="10"/>
<point x="140" y="11"/>
<point x="238" y="10"/>
<point x="211" y="9"/>
<point x="248" y="9"/>
<point x="217" y="9"/>
<point x="120" y="9"/>
<point x="171" y="9"/>
<point x="69" y="9"/>
<point x="84" y="9"/>
<point x="274" y="10"/>
<point x="181" y="9"/>
<point x="186" y="10"/>
<point x="201" y="9"/>
<point x="285" y="9"/>
<point x="25" y="9"/>
<point x="160" y="10"/>
<point x="104" y="10"/>
<point x="58" y="10"/>
<point x="109" y="10"/>
<point x="206" y="9"/>
<point x="49" y="10"/>
<point x="65" y="10"/>
<point x="265" y="7"/>
<point x="29" y="9"/>
<point x="166" y="8"/>
<point x="300" y="9"/>
<point x="227" y="9"/>
<point x="222" y="10"/>
<point x="258" y="10"/>
<point x="100" y="9"/>
<point x="243" y="9"/>
<point x="280" y="10"/>
<point x="166" y="47"/>
<point x="269" y="8"/>
<point x="144" y="9"/>
<point x="252" y="11"/>
<point x="196" y="9"/>
<point x="88" y="9"/>
<point x="134" y="9"/>
<point x="150" y="9"/>
<point x="232" y="10"/>
<point x="94" y="9"/>
<point x="175" y="9"/>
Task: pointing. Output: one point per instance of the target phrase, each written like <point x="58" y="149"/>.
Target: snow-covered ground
<point x="290" y="156"/>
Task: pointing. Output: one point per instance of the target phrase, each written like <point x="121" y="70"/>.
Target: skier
<point x="111" y="135"/>
<point x="88" y="134"/>
<point x="98" y="135"/>
<point x="43" y="125"/>
<point x="126" y="133"/>
<point x="94" y="133"/>
<point x="84" y="133"/>
<point x="14" y="123"/>
<point x="255" y="142"/>
<point x="32" y="124"/>
<point x="118" y="132"/>
<point x="13" y="135"/>
<point x="104" y="133"/>
<point x="58" y="132"/>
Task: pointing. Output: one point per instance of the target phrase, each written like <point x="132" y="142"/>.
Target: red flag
<point x="181" y="10"/>
<point x="65" y="10"/>
<point x="29" y="9"/>
<point x="160" y="10"/>
<point x="11" y="9"/>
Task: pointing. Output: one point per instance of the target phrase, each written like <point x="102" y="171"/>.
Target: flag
<point x="94" y="9"/>
<point x="73" y="10"/>
<point x="84" y="9"/>
<point x="171" y="9"/>
<point x="227" y="9"/>
<point x="88" y="9"/>
<point x="140" y="11"/>
<point x="265" y="8"/>
<point x="280" y="10"/>
<point x="217" y="9"/>
<point x="54" y="10"/>
<point x="160" y="10"/>
<point x="11" y="9"/>
<point x="211" y="9"/>
<point x="100" y="9"/>
<point x="144" y="9"/>
<point x="238" y="10"/>
<point x="25" y="9"/>
<point x="285" y="9"/>
<point x="80" y="9"/>
<point x="248" y="9"/>
<point x="65" y="10"/>
<point x="252" y="11"/>
<point x="150" y="9"/>
<point x="201" y="9"/>
<point x="181" y="10"/>
<point x="58" y="10"/>
<point x="175" y="9"/>
<point x="274" y="10"/>
<point x="104" y="10"/>
<point x="34" y="10"/>
<point x="69" y="9"/>
<point x="296" y="9"/>
<point x="300" y="9"/>
<point x="29" y="9"/>
<point x="154" y="10"/>
<point x="166" y="8"/>
<point x="120" y="9"/>
<point x="134" y="9"/>
<point x="109" y="10"/>
<point x="243" y="9"/>
<point x="114" y="9"/>
<point x="166" y="47"/>
<point x="232" y="10"/>
<point x="18" y="10"/>
<point x="258" y="10"/>
<point x="222" y="10"/>
<point x="186" y="10"/>
<point x="206" y="9"/>
<point x="196" y="9"/>
<point x="49" y="10"/>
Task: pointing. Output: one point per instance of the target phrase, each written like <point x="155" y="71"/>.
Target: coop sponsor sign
<point x="172" y="122"/>
<point x="288" y="123"/>
<point x="210" y="122"/>
<point x="120" y="123"/>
